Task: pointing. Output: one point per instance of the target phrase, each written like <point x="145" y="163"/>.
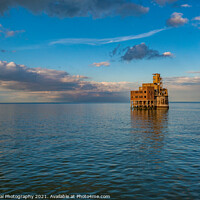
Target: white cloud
<point x="92" y="41"/>
<point x="9" y="33"/>
<point x="177" y="20"/>
<point x="163" y="2"/>
<point x="196" y="22"/>
<point x="186" y="6"/>
<point x="101" y="64"/>
<point x="196" y="18"/>
<point x="168" y="54"/>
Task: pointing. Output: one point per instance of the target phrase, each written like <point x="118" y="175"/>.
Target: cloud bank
<point x="183" y="88"/>
<point x="177" y="20"/>
<point x="19" y="83"/>
<point x="77" y="8"/>
<point x="20" y="77"/>
<point x="56" y="85"/>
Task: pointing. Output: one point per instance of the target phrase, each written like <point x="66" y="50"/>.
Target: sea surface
<point x="100" y="149"/>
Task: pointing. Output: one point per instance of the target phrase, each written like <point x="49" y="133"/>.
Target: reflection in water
<point x="151" y="120"/>
<point x="150" y="126"/>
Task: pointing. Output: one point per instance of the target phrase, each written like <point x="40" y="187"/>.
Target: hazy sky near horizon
<point x="97" y="50"/>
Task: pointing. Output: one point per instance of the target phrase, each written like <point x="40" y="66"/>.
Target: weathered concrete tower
<point x="160" y="93"/>
<point x="150" y="95"/>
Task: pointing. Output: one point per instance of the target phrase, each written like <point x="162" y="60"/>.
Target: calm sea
<point x="100" y="149"/>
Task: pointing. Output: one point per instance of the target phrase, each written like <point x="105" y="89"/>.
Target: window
<point x="144" y="96"/>
<point x="136" y="97"/>
<point x="145" y="91"/>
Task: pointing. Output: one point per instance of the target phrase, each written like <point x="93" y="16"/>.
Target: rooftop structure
<point x="150" y="95"/>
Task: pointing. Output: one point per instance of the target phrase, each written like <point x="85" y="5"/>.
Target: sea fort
<point x="150" y="95"/>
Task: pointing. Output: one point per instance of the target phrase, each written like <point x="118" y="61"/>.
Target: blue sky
<point x="69" y="43"/>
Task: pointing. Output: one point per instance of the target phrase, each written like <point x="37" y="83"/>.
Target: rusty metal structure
<point x="150" y="95"/>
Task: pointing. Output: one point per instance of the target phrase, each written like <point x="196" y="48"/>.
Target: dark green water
<point x="100" y="149"/>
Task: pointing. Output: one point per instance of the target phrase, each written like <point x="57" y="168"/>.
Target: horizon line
<point x="84" y="102"/>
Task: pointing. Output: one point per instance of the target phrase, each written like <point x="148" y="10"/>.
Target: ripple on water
<point x="100" y="149"/>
